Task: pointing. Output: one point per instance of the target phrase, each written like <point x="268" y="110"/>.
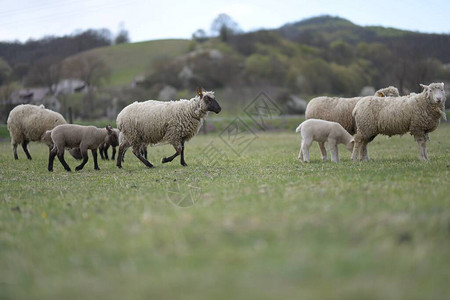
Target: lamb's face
<point x="435" y="92"/>
<point x="350" y="145"/>
<point x="113" y="138"/>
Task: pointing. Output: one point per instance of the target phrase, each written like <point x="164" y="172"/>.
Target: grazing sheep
<point x="339" y="110"/>
<point x="77" y="136"/>
<point x="323" y="131"/>
<point x="28" y="123"/>
<point x="155" y="122"/>
<point x="390" y="91"/>
<point x="113" y="142"/>
<point x="47" y="139"/>
<point x="417" y="114"/>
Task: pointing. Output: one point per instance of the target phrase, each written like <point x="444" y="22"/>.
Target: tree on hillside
<point x="45" y="72"/>
<point x="123" y="36"/>
<point x="5" y="71"/>
<point x="90" y="68"/>
<point x="199" y="35"/>
<point x="224" y="27"/>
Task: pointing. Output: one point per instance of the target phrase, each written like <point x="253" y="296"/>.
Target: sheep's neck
<point x="197" y="111"/>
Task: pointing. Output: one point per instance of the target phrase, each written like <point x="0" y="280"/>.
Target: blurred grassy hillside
<point x="126" y="61"/>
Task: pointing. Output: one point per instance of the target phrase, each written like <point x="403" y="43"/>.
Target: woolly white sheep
<point x="417" y="114"/>
<point x="155" y="122"/>
<point x="77" y="136"/>
<point x="339" y="110"/>
<point x="323" y="131"/>
<point x="28" y="123"/>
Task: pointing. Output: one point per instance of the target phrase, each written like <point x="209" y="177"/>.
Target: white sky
<point x="149" y="20"/>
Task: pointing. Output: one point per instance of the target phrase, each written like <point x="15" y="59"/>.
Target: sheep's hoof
<point x="184" y="164"/>
<point x="76" y="169"/>
<point x="98" y="169"/>
<point x="164" y="160"/>
<point x="50" y="170"/>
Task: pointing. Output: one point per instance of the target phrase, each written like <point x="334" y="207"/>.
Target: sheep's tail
<point x="299" y="128"/>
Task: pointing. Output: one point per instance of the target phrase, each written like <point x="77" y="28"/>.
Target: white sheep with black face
<point x="156" y="122"/>
<point x="417" y="114"/>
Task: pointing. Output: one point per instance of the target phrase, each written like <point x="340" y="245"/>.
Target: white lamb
<point x="323" y="131"/>
<point x="417" y="114"/>
<point x="28" y="123"/>
<point x="155" y="122"/>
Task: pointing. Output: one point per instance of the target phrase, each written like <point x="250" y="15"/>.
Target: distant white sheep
<point x="323" y="131"/>
<point x="336" y="109"/>
<point x="155" y="122"/>
<point x="417" y="114"/>
<point x="28" y="123"/>
<point x="77" y="136"/>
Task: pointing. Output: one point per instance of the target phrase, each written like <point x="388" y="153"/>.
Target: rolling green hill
<point x="126" y="61"/>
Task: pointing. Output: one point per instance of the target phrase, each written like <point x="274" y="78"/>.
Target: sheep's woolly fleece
<point x="417" y="114"/>
<point x="339" y="110"/>
<point x="28" y="122"/>
<point x="156" y="122"/>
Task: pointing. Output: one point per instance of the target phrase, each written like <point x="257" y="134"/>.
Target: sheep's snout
<point x="214" y="106"/>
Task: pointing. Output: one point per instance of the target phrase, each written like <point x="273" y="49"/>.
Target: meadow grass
<point x="257" y="224"/>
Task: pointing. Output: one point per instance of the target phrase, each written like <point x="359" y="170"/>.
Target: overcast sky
<point x="149" y="20"/>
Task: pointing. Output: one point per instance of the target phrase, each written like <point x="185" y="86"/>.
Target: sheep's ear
<point x="424" y="87"/>
<point x="200" y="92"/>
<point x="108" y="128"/>
<point x="380" y="94"/>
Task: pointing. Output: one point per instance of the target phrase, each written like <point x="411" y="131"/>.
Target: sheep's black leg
<point x="101" y="149"/>
<point x="183" y="163"/>
<point x="122" y="149"/>
<point x="144" y="152"/>
<point x="94" y="155"/>
<point x="105" y="152"/>
<point x="85" y="160"/>
<point x="15" y="151"/>
<point x="113" y="153"/>
<point x="63" y="162"/>
<point x="170" y="158"/>
<point x="25" y="149"/>
<point x="51" y="158"/>
<point x="137" y="152"/>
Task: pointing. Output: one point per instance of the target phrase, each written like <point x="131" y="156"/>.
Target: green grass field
<point x="252" y="225"/>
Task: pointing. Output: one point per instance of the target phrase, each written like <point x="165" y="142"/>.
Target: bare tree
<point x="45" y="72"/>
<point x="224" y="26"/>
<point x="89" y="67"/>
<point x="123" y="36"/>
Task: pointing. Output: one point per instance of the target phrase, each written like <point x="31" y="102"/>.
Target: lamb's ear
<point x="200" y="92"/>
<point x="380" y="94"/>
<point x="424" y="87"/>
<point x="109" y="129"/>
